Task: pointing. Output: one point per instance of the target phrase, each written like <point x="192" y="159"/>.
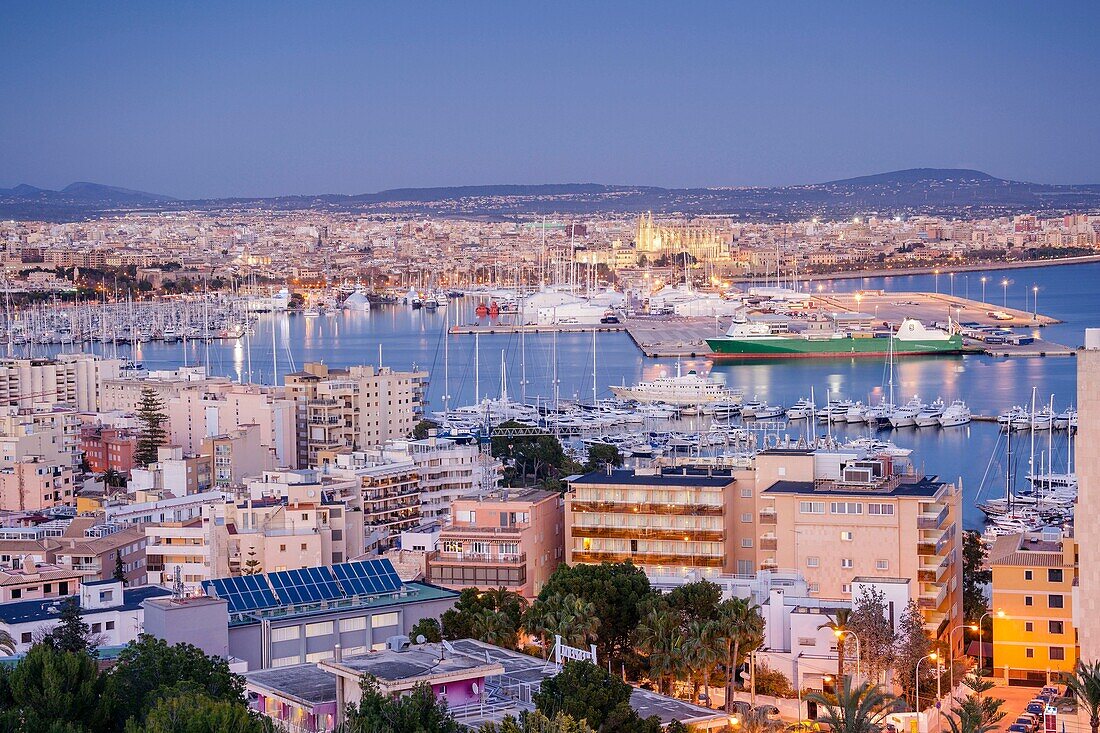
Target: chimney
<point x="337" y="653"/>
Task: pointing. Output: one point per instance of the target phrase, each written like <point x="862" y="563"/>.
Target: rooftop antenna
<point x="177" y="584"/>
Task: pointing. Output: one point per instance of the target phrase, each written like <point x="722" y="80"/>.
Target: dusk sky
<point x="242" y="98"/>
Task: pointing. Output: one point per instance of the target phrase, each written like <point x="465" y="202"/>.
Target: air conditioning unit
<point x="398" y="643"/>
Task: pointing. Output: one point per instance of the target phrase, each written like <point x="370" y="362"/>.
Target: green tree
<point x="838" y="624"/>
<point x="772" y="682"/>
<point x="429" y="628"/>
<point x="624" y="719"/>
<point x="567" y="616"/>
<point x="536" y="722"/>
<point x="583" y="691"/>
<point x="602" y="454"/>
<point x="492" y="616"/>
<point x="148" y="669"/>
<point x="420" y="431"/>
<point x="742" y="630"/>
<point x="760" y="720"/>
<point x="120" y="571"/>
<point x="194" y="712"/>
<point x="660" y="637"/>
<point x="251" y="565"/>
<point x="968" y="717"/>
<point x="975" y="576"/>
<point x="871" y="624"/>
<point x="1084" y="683"/>
<point x="417" y="712"/>
<point x="530" y="459"/>
<point x="55" y="690"/>
<point x="113" y="478"/>
<point x="696" y="601"/>
<point x="71" y="634"/>
<point x="704" y="649"/>
<point x="913" y="644"/>
<point x="616" y="590"/>
<point x="861" y="709"/>
<point x="151" y="417"/>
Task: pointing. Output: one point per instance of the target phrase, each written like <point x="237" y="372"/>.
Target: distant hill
<point x="928" y="191"/>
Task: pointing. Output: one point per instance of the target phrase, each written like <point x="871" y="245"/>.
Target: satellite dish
<point x="473" y="688"/>
<point x="420" y="639"/>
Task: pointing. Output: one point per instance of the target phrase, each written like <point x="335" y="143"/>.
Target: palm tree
<point x="660" y="637"/>
<point x="970" y="716"/>
<point x="838" y="624"/>
<point x="573" y="619"/>
<point x="741" y="628"/>
<point x="7" y="643"/>
<point x="1084" y="683"/>
<point x="703" y="649"/>
<point x="495" y="627"/>
<point x="862" y="709"/>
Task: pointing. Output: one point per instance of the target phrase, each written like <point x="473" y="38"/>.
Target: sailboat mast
<point x="593" y="366"/>
<point x="477" y="368"/>
<point x="523" y="366"/>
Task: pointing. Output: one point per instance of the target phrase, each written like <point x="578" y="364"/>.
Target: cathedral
<point x="704" y="243"/>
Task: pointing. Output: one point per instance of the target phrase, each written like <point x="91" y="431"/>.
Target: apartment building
<point x="513" y="539"/>
<point x="1034" y="579"/>
<point x="1087" y="512"/>
<point x="182" y="545"/>
<point x="174" y="473"/>
<point x="33" y="484"/>
<point x="74" y="380"/>
<point x="666" y="521"/>
<point x="204" y="412"/>
<point x="355" y="408"/>
<point x="236" y="455"/>
<point x="33" y="581"/>
<point x="835" y="517"/>
<point x="124" y="393"/>
<point x="390" y="494"/>
<point x="108" y="449"/>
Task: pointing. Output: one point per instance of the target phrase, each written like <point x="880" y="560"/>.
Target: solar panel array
<point x="307" y="585"/>
<point x="244" y="593"/>
<point x="367" y="577"/>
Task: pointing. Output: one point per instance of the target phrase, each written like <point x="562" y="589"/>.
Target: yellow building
<point x="703" y="242"/>
<point x="1033" y="581"/>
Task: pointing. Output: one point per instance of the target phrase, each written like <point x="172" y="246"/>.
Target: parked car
<point x="1019" y="728"/>
<point x="1036" y="706"/>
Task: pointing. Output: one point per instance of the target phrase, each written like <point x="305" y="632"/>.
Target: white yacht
<point x="957" y="413"/>
<point x="687" y="389"/>
<point x="800" y="410"/>
<point x="930" y="416"/>
<point x="906" y="415"/>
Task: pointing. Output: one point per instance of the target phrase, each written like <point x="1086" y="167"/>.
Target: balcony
<point x="932" y="520"/>
<point x="650" y="533"/>
<point x="471" y="558"/>
<point x="624" y="507"/>
<point x="769" y="543"/>
<point x="767" y="516"/>
<point x="646" y="558"/>
<point x="325" y="420"/>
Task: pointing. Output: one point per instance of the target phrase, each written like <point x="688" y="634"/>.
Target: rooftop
<point x="670" y="477"/>
<point x="925" y="486"/>
<point x="303" y="683"/>
<point x="418" y="663"/>
<point x="45" y="609"/>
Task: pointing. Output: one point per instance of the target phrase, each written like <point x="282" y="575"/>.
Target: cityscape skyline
<point x="340" y="99"/>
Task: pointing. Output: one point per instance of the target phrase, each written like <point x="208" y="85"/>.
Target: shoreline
<point x="933" y="269"/>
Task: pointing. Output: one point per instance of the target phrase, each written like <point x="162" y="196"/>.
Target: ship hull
<point x="800" y="348"/>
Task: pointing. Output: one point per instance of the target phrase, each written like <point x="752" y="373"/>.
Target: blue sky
<point x="263" y="98"/>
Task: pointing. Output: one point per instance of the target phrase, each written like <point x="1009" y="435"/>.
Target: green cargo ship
<point x="756" y="341"/>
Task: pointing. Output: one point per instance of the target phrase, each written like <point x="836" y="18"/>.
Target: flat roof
<point x="685" y="477"/>
<point x="22" y="612"/>
<point x="415" y="591"/>
<point x="926" y="486"/>
<point x="305" y="683"/>
<point x="418" y="662"/>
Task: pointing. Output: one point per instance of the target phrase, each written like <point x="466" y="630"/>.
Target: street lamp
<point x="840" y="633"/>
<point x="951" y="651"/>
<point x="916" y="685"/>
<point x="981" y="650"/>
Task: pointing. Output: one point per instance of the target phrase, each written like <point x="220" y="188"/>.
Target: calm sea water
<point x="416" y="338"/>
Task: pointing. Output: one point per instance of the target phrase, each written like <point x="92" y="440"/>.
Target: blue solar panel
<point x="246" y="593"/>
<point x="368" y="577"/>
<point x="306" y="585"/>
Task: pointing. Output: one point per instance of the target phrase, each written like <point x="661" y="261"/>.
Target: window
<point x="812" y="561"/>
<point x="96" y="628"/>
<point x="1027" y="575"/>
<point x="1029" y="626"/>
<point x="282" y="548"/>
<point x="25" y="638"/>
<point x="379" y="620"/>
<point x="846" y="562"/>
<point x="811" y="507"/>
<point x="1057" y="653"/>
<point x="882" y="564"/>
<point x="303" y="548"/>
<point x="846" y="588"/>
<point x="881" y="509"/>
<point x="815" y="587"/>
<point x="846" y="507"/>
<point x="1055" y="601"/>
<point x="480" y="548"/>
<point x="286" y="633"/>
<point x="452" y="546"/>
<point x="1054" y="575"/>
<point x="1029" y="653"/>
<point x="1028" y="601"/>
<point x="746" y="542"/>
<point x="746" y="517"/>
<point x="109" y="626"/>
<point x="321" y="628"/>
<point x="353" y="624"/>
<point x="746" y="493"/>
<point x="1056" y="627"/>
<point x="847" y="536"/>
